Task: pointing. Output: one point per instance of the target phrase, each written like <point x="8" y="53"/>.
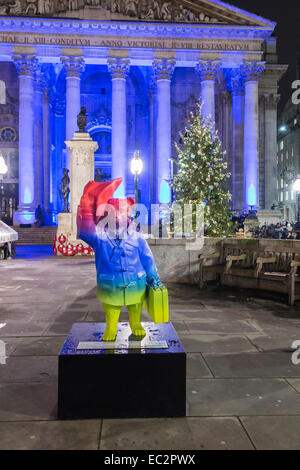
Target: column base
<point x="25" y="215"/>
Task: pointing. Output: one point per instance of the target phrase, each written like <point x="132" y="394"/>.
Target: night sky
<point x="286" y="13"/>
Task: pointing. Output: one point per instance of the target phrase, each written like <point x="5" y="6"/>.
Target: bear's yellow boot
<point x="135" y="313"/>
<point x="112" y="315"/>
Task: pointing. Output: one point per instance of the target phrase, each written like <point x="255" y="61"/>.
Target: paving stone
<point x="25" y="309"/>
<point x="196" y="367"/>
<point x="64" y="322"/>
<point x="276" y="329"/>
<point x="50" y="435"/>
<point x="220" y="323"/>
<point x="11" y="345"/>
<point x="29" y="369"/>
<point x="273" y="432"/>
<point x="28" y="402"/>
<point x="180" y="327"/>
<point x="235" y="397"/>
<point x="220" y="326"/>
<point x="214" y="343"/>
<point x="272" y="344"/>
<point x="252" y="365"/>
<point x="95" y="316"/>
<point x="39" y="346"/>
<point x="76" y="306"/>
<point x="187" y="314"/>
<point x="295" y="383"/>
<point x="174" y="434"/>
<point x="16" y="329"/>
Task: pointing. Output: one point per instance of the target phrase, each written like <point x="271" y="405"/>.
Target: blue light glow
<point x="165" y="193"/>
<point x="252" y="196"/>
<point x="28" y="196"/>
<point x="120" y="193"/>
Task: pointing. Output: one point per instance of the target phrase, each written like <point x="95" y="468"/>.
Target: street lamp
<point x="136" y="170"/>
<point x="3" y="171"/>
<point x="296" y="188"/>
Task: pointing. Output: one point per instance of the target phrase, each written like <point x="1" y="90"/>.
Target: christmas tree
<point x="202" y="175"/>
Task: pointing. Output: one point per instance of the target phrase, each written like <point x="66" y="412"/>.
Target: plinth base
<point x="122" y="383"/>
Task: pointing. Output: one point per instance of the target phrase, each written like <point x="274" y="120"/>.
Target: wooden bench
<point x="253" y="264"/>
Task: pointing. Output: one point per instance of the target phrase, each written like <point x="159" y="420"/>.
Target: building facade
<point x="288" y="159"/>
<point x="138" y="67"/>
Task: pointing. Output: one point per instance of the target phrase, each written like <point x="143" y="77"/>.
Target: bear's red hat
<point x="122" y="203"/>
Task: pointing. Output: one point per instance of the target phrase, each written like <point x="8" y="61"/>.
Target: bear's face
<point x="120" y="211"/>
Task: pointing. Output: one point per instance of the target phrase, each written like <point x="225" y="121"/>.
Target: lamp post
<point x="296" y="188"/>
<point x="136" y="170"/>
<point x="3" y="171"/>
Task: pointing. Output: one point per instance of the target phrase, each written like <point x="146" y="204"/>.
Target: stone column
<point x="74" y="67"/>
<point x="26" y="66"/>
<point x="207" y="70"/>
<point x="59" y="107"/>
<point x="252" y="71"/>
<point x="38" y="139"/>
<point x="119" y="68"/>
<point x="235" y="84"/>
<point x="163" y="70"/>
<point x="271" y="192"/>
<point x="46" y="147"/>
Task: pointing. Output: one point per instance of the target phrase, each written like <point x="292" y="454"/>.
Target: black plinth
<point x="131" y="383"/>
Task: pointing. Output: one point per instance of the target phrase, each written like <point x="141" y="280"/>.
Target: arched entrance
<point x="100" y="130"/>
<point x="9" y="184"/>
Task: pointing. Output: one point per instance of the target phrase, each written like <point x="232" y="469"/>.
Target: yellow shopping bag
<point x="157" y="304"/>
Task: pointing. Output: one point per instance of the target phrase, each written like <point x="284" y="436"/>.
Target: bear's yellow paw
<point x="138" y="331"/>
<point x="109" y="336"/>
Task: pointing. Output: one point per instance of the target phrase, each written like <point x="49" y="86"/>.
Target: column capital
<point x="59" y="105"/>
<point x="41" y="81"/>
<point x="253" y="70"/>
<point x="235" y="81"/>
<point x="26" y="65"/>
<point x="270" y="100"/>
<point x="118" y="66"/>
<point x="74" y="66"/>
<point x="207" y="69"/>
<point x="163" y="69"/>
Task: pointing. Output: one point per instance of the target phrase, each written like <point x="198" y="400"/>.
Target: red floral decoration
<point x="60" y="246"/>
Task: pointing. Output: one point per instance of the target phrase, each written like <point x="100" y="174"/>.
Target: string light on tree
<point x="202" y="174"/>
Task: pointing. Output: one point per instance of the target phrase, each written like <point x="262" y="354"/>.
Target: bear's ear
<point x="130" y="201"/>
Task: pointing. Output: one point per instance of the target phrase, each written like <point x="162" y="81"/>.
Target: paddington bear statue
<point x="124" y="261"/>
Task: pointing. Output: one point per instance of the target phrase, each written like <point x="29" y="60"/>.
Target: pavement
<point x="243" y="391"/>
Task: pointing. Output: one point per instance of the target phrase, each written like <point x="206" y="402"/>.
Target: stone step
<point x="35" y="235"/>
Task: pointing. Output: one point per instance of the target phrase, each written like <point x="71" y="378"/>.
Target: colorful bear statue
<point x="124" y="262"/>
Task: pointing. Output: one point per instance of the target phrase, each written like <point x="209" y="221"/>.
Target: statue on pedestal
<point x="126" y="269"/>
<point x="98" y="177"/>
<point x="65" y="191"/>
<point x="82" y="120"/>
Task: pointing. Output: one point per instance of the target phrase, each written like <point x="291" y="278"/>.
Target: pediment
<point x="185" y="11"/>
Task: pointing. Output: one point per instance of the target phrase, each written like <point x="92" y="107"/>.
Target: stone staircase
<point x="35" y="235"/>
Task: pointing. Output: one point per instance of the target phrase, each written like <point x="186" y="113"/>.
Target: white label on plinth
<point x="145" y="344"/>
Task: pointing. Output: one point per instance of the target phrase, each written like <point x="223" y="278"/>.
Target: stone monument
<point x="269" y="217"/>
<point x="82" y="170"/>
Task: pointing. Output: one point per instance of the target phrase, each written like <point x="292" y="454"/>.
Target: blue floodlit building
<point x="138" y="67"/>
